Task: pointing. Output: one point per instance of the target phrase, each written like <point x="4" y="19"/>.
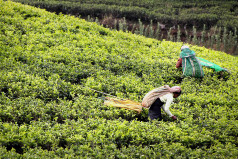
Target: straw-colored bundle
<point x="123" y="103"/>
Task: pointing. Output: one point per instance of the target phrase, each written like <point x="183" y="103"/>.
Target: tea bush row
<point x="188" y="13"/>
<point x="120" y="138"/>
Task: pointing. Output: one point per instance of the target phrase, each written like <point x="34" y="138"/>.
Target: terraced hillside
<point x="211" y="23"/>
<point x="50" y="64"/>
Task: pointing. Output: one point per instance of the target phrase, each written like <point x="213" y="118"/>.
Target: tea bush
<point x="50" y="65"/>
<point x="183" y="12"/>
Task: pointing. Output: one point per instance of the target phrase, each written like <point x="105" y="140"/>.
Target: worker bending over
<point x="189" y="63"/>
<point x="161" y="97"/>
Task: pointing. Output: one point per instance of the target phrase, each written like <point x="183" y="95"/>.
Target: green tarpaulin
<point x="211" y="65"/>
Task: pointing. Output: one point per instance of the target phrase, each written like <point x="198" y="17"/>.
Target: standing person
<point x="189" y="63"/>
<point x="158" y="98"/>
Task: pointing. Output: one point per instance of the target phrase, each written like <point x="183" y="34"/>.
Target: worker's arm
<point x="179" y="63"/>
<point x="167" y="99"/>
<point x="166" y="107"/>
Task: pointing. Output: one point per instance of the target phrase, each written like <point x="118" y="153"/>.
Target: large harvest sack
<point x="151" y="96"/>
<point x="123" y="103"/>
<point x="191" y="65"/>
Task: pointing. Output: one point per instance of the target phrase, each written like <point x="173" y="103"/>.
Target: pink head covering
<point x="175" y="89"/>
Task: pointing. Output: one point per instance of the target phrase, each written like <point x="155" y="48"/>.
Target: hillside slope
<point x="49" y="62"/>
<point x="170" y="12"/>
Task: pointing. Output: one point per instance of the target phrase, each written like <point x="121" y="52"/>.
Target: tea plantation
<point x="49" y="65"/>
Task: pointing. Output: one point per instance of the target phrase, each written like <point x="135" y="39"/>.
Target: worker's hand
<point x="174" y="117"/>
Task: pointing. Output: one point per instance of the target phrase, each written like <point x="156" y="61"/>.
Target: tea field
<point x="49" y="65"/>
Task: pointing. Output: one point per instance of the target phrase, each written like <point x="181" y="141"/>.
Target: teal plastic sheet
<point x="211" y="65"/>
